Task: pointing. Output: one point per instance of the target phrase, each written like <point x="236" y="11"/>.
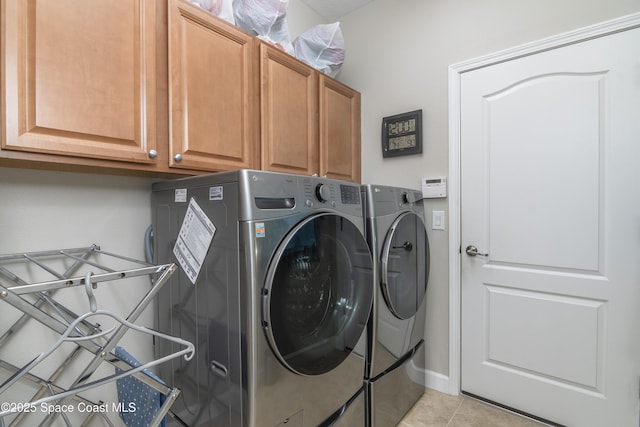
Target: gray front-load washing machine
<point x="397" y="235"/>
<point x="276" y="304"/>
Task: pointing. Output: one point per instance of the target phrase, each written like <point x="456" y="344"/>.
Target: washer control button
<point x="322" y="193"/>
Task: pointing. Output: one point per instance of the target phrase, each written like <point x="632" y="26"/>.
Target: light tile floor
<point x="435" y="409"/>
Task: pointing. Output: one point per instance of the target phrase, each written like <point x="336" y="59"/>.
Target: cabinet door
<point x="79" y="78"/>
<point x="339" y="130"/>
<point x="212" y="92"/>
<point x="289" y="105"/>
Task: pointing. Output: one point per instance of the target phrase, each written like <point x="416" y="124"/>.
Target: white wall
<point x="301" y="18"/>
<point x="398" y="52"/>
<point x="42" y="209"/>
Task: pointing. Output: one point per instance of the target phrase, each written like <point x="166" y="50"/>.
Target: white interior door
<point x="550" y="191"/>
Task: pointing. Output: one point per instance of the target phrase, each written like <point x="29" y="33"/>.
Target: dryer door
<point x="318" y="294"/>
<point x="405" y="265"/>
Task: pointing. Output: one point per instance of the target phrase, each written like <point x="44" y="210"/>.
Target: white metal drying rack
<point x="71" y="327"/>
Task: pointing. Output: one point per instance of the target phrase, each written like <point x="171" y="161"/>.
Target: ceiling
<point x="332" y="10"/>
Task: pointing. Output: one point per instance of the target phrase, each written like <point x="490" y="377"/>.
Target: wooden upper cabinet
<point x="310" y="123"/>
<point x="163" y="86"/>
<point x="79" y="78"/>
<point x="289" y="113"/>
<point x="212" y="92"/>
<point x="339" y="123"/>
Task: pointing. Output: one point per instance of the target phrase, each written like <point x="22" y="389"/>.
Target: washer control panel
<point x="350" y="194"/>
<point x="319" y="192"/>
<point x="268" y="194"/>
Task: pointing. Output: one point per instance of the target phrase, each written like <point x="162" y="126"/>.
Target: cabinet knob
<point x="153" y="154"/>
<point x="177" y="158"/>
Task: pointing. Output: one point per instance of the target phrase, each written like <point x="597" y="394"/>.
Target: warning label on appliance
<point x="194" y="240"/>
<point x="180" y="195"/>
<point x="216" y="193"/>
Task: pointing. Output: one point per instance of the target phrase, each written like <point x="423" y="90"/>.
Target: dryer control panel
<point x="319" y="192"/>
<point x="349" y="194"/>
<point x="315" y="191"/>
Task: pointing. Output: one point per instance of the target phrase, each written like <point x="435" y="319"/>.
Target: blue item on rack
<point x="139" y="402"/>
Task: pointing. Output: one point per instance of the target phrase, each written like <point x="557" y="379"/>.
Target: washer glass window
<point x="318" y="294"/>
<point x="405" y="265"/>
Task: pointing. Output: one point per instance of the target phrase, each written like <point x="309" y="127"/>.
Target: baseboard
<point x="437" y="381"/>
<point x="430" y="379"/>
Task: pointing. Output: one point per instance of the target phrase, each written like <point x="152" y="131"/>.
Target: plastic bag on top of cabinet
<point x="220" y="8"/>
<point x="321" y="47"/>
<point x="265" y="19"/>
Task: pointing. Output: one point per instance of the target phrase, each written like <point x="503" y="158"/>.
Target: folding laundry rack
<point x="73" y="268"/>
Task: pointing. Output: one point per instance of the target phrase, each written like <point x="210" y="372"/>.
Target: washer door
<point x="318" y="294"/>
<point x="405" y="265"/>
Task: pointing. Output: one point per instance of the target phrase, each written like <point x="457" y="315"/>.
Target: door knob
<point x="473" y="251"/>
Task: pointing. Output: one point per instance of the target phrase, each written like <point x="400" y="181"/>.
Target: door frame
<point x="623" y="23"/>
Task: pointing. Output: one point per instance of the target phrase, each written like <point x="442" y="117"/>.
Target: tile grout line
<point x="455" y="412"/>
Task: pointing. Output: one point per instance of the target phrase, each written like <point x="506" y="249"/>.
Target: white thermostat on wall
<point x="434" y="187"/>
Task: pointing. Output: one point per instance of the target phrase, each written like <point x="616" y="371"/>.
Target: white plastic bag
<point x="322" y="47"/>
<point x="220" y="8"/>
<point x="265" y="19"/>
<point x="226" y="12"/>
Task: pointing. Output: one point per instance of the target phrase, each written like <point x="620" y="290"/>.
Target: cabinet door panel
<point x="212" y="92"/>
<point x="289" y="102"/>
<point x="339" y="131"/>
<point x="79" y="78"/>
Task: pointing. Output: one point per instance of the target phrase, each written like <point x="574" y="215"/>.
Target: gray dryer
<point x="396" y="234"/>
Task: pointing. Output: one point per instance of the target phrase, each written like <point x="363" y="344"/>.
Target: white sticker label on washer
<point x="260" y="230"/>
<point x="216" y="193"/>
<point x="194" y="240"/>
<point x="180" y="195"/>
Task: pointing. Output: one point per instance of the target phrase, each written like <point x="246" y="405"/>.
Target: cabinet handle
<point x="153" y="154"/>
<point x="177" y="158"/>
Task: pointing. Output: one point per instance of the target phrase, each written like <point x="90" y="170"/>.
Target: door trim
<point x="623" y="23"/>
